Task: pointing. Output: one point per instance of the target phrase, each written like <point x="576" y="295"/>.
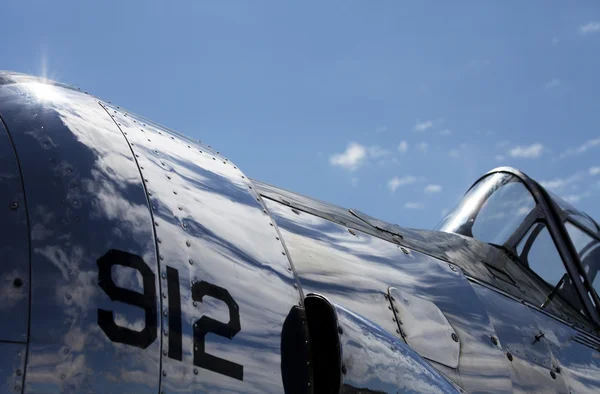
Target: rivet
<point x="165" y="313"/>
<point x="68" y="296"/>
<point x="297" y="212"/>
<point x="349" y="230"/>
<point x="340" y="330"/>
<point x="271" y="224"/>
<point x="214" y="158"/>
<point x="18" y="372"/>
<point x="243" y="177"/>
<point x="163" y="275"/>
<point x="174" y="192"/>
<point x="344" y="370"/>
<point x="191" y="261"/>
<point x="397" y="331"/>
<point x="404" y="250"/>
<point x="283" y="253"/>
<point x="168" y="177"/>
<point x="180" y="208"/>
<point x="18" y="282"/>
<point x="188" y="243"/>
<point x="195" y="371"/>
<point x="165" y="296"/>
<point x="264" y="210"/>
<point x="161" y="257"/>
<point x="494" y="340"/>
<point x="156" y="224"/>
<point x="277" y="238"/>
<point x="166" y="333"/>
<point x="509" y="356"/>
<point x="553" y="374"/>
<point x="164" y="373"/>
<point x="14" y="205"/>
<point x="195" y="303"/>
<point x="290" y="269"/>
<point x="454" y="337"/>
<point x="17" y="388"/>
<point x="165" y="352"/>
<point x="393" y="319"/>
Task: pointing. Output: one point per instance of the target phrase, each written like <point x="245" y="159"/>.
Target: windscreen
<point x="492" y="210"/>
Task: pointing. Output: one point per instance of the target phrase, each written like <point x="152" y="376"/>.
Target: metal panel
<point x="532" y="378"/>
<point x="375" y="361"/>
<point x="213" y="233"/>
<point x="84" y="198"/>
<point x="425" y="328"/>
<point x="12" y="366"/>
<point x="577" y="362"/>
<point x="355" y="269"/>
<point x="14" y="247"/>
<point x="517" y="329"/>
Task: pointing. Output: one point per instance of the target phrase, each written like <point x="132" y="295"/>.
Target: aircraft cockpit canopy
<point x="538" y="229"/>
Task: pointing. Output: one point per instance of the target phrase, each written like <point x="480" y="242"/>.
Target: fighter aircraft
<point x="137" y="260"/>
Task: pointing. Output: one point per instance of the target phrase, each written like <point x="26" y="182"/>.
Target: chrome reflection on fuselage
<point x="137" y="260"/>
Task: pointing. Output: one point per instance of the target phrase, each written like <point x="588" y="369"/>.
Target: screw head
<point x="454" y="337"/>
<point x="14" y="205"/>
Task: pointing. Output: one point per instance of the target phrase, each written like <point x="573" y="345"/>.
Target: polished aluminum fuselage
<point x="137" y="260"/>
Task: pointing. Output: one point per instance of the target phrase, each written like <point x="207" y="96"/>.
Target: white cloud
<point x="454" y="153"/>
<point x="553" y="83"/>
<point x="422" y="126"/>
<point x="433" y="189"/>
<point x="594" y="170"/>
<point x="403" y="146"/>
<point x="574" y="198"/>
<point x="559" y="184"/>
<point x="396" y="182"/>
<point x="414" y="205"/>
<point x="381" y="129"/>
<point x="445" y="132"/>
<point x="500" y="157"/>
<point x="528" y="152"/>
<point x="582" y="148"/>
<point x="351" y="159"/>
<point x="589" y="28"/>
<point x="377" y="151"/>
<point x="423" y="146"/>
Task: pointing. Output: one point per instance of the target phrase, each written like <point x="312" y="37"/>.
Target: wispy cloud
<point x="414" y="205"/>
<point x="589" y="28"/>
<point x="445" y="132"/>
<point x="356" y="155"/>
<point x="403" y="146"/>
<point x="377" y="151"/>
<point x="527" y="152"/>
<point x="574" y="198"/>
<point x="553" y="83"/>
<point x="381" y="129"/>
<point x="559" y="184"/>
<point x="422" y="126"/>
<point x="500" y="157"/>
<point x="397" y="182"/>
<point x="454" y="153"/>
<point x="433" y="189"/>
<point x="423" y="146"/>
<point x="594" y="170"/>
<point x="580" y="149"/>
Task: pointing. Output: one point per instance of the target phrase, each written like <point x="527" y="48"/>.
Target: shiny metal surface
<point x="575" y="354"/>
<point x="211" y="227"/>
<point x="425" y="328"/>
<point x="376" y="361"/>
<point x="84" y="198"/>
<point x="355" y="271"/>
<point x="12" y="366"/>
<point x="14" y="248"/>
<point x="516" y="327"/>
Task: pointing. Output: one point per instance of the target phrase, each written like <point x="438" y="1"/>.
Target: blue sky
<point x="393" y="108"/>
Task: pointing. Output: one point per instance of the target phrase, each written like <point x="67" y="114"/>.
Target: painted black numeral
<point x="174" y="314"/>
<point x="146" y="301"/>
<point x="207" y="324"/>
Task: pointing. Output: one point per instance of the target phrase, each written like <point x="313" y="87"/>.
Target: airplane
<point x="135" y="259"/>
